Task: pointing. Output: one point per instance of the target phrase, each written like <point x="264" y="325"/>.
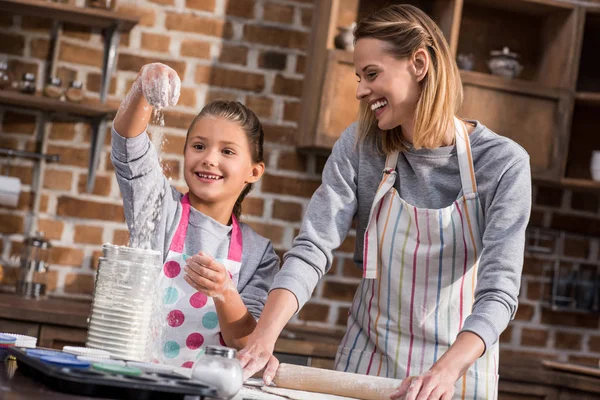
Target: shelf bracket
<point x="112" y="36"/>
<point x="38" y="173"/>
<point x="98" y="137"/>
<point x="55" y="34"/>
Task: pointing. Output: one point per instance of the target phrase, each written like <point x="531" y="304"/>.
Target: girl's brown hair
<point x="406" y="29"/>
<point x="235" y="111"/>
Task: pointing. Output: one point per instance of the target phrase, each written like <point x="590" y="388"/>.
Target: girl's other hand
<point x="256" y="356"/>
<point x="207" y="275"/>
<point x="160" y="84"/>
<point x="432" y="385"/>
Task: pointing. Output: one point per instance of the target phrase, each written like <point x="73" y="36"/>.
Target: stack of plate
<point x="123" y="304"/>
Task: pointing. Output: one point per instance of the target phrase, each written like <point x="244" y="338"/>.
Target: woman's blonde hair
<point x="406" y="29"/>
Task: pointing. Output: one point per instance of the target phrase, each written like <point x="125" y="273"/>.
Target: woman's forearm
<point x="280" y="307"/>
<point x="463" y="353"/>
<point x="134" y="112"/>
<point x="235" y="321"/>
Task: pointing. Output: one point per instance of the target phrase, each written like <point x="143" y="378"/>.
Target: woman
<point x="442" y="207"/>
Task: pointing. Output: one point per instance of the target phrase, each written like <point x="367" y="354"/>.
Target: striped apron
<point x="418" y="286"/>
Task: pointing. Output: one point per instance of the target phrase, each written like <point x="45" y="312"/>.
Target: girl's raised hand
<point x="208" y="276"/>
<point x="160" y="84"/>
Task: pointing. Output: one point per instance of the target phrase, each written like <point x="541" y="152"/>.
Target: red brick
<point x="584" y="201"/>
<point x="187" y="97"/>
<point x="173" y="144"/>
<point x="163" y="2"/>
<point x="18" y="123"/>
<point x="38" y="48"/>
<point x="339" y="290"/>
<point x="342" y="316"/>
<point x="52" y="229"/>
<point x="215" y="94"/>
<point x="195" y="24"/>
<point x="583" y="360"/>
<point x="80" y="284"/>
<point x="24" y="173"/>
<point x="533" y="266"/>
<point x="272" y="60"/>
<point x="240" y="8"/>
<point x="233" y="54"/>
<point x="534" y="290"/>
<point x="524" y="312"/>
<point x="567" y="341"/>
<point x="292" y="161"/>
<point x="253" y="206"/>
<point x="72" y="207"/>
<point x="314" y="312"/>
<point x="594" y="344"/>
<point x="272" y="36"/>
<point x="229" y="78"/>
<point x="11" y="223"/>
<point x="272" y="232"/>
<point x="577" y="247"/>
<point x="66" y="75"/>
<point x="155" y="42"/>
<point x="121" y="237"/>
<point x="6" y="21"/>
<point x="18" y="68"/>
<point x="12" y="44"/>
<point x="195" y="48"/>
<point x="70" y="155"/>
<point x="300" y="64"/>
<point x="51" y="278"/>
<point x="289" y="186"/>
<point x="350" y="269"/>
<point x="94" y="83"/>
<point x="9" y="143"/>
<point x="62" y="130"/>
<point x="102" y="185"/>
<point x="571" y="319"/>
<point x="281" y="13"/>
<point x="80" y="55"/>
<point x="66" y="256"/>
<point x="204" y="5"/>
<point x="171" y="169"/>
<point x="506" y="336"/>
<point x="262" y="106"/>
<point x="534" y="337"/>
<point x="95" y="259"/>
<point x="176" y="119"/>
<point x="577" y="224"/>
<point x="57" y="179"/>
<point x="147" y="16"/>
<point x="549" y="196"/>
<point x="77" y="31"/>
<point x="88" y="234"/>
<point x="129" y="62"/>
<point x="306" y="15"/>
<point x="291" y="111"/>
<point x="288" y="86"/>
<point x="536" y="218"/>
<point x="287" y="211"/>
<point x="320" y="161"/>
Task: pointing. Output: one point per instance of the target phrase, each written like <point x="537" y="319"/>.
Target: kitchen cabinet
<point x="549" y="109"/>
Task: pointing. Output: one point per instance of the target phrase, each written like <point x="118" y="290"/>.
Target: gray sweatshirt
<point x="140" y="178"/>
<point x="427" y="178"/>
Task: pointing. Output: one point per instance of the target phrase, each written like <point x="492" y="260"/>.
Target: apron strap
<point x="179" y="238"/>
<point x="465" y="158"/>
<point x="236" y="242"/>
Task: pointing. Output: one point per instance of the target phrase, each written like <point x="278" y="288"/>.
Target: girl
<point x="442" y="206"/>
<point x="217" y="271"/>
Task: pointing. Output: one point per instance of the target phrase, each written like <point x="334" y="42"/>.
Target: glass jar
<point x="4" y="76"/>
<point x="103" y="4"/>
<point x="27" y="84"/>
<point x="53" y="88"/>
<point x="219" y="369"/>
<point x="74" y="92"/>
<point x="35" y="256"/>
<point x="124" y="302"/>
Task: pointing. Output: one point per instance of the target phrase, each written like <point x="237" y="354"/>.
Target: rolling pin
<point x="339" y="383"/>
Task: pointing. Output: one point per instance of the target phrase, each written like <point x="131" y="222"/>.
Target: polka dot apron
<point x="191" y="316"/>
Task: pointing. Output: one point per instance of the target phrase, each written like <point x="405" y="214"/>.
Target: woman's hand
<point x="432" y="385"/>
<point x="255" y="356"/>
<point x="160" y="84"/>
<point x="208" y="276"/>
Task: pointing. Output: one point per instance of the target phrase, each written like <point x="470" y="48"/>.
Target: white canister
<point x="219" y="369"/>
<point x="10" y="189"/>
<point x="595" y="165"/>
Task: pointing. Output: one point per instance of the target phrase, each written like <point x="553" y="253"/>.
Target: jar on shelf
<point x="27" y="84"/>
<point x="102" y="4"/>
<point x="53" y="88"/>
<point x="75" y="92"/>
<point x="219" y="368"/>
<point x="4" y="76"/>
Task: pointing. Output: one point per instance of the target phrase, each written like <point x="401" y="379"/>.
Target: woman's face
<point x="389" y="86"/>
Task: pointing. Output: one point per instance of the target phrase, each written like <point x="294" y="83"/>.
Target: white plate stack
<point x="124" y="296"/>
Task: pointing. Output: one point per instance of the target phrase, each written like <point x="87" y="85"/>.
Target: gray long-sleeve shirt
<point x="427" y="178"/>
<point x="140" y="179"/>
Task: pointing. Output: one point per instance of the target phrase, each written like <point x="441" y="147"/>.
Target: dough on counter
<point x="302" y="395"/>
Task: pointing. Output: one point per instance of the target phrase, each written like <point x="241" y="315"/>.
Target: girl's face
<point x="218" y="161"/>
<point x="389" y="86"/>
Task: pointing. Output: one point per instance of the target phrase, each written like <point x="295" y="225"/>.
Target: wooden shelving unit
<point x="551" y="109"/>
<point x="112" y="24"/>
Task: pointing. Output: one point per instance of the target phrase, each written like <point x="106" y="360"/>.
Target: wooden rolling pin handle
<point x="338" y="383"/>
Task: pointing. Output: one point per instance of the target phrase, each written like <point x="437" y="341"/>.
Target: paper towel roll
<point x="10" y="189"/>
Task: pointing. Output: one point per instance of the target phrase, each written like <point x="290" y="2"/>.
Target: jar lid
<point x="28" y="76"/>
<point x="3" y="65"/>
<point x="54" y="80"/>
<point x="505" y="52"/>
<point x="76" y="85"/>
<point x="221" y="351"/>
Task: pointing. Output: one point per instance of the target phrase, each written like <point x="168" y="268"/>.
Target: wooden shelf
<point x="90" y="17"/>
<point x="509" y="85"/>
<point x="589" y="98"/>
<point x="570" y="183"/>
<point x="530" y="7"/>
<point x="40" y="103"/>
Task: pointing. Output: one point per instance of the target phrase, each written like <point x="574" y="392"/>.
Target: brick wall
<point x="252" y="51"/>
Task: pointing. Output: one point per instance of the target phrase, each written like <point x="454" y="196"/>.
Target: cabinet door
<point x="22" y="328"/>
<point x="55" y="337"/>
